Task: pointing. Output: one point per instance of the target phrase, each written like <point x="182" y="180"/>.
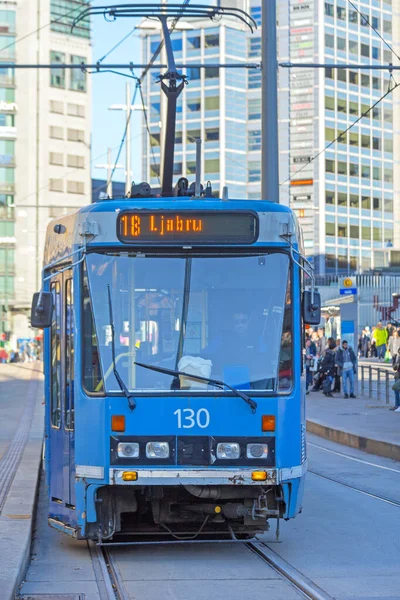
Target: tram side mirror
<point x="42" y="309"/>
<point x="311" y="311"/>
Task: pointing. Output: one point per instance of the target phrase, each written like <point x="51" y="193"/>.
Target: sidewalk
<point x="21" y="439"/>
<point x="361" y="423"/>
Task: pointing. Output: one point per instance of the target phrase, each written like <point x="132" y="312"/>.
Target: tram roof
<point x="97" y="215"/>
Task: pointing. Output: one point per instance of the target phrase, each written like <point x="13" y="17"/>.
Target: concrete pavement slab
<point x="360" y="423"/>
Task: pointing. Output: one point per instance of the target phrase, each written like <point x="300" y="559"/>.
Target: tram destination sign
<point x="169" y="226"/>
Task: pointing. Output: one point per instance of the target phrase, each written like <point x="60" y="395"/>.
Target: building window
<point x="76" y="110"/>
<point x="377" y="204"/>
<point x="77" y="80"/>
<point x="176" y="42"/>
<point x="329" y="103"/>
<point x="341" y="13"/>
<point x="342" y="75"/>
<point x="254" y="171"/>
<point x="254" y="140"/>
<point x="353" y="77"/>
<point x="376" y="143"/>
<point x="211" y="165"/>
<point x="7" y="21"/>
<point x="57" y="76"/>
<point x="212" y="134"/>
<point x="329" y="10"/>
<point x="193" y="73"/>
<point x="388" y="145"/>
<point x="366" y="202"/>
<point x="342" y="199"/>
<point x="387" y="26"/>
<point x="365" y="80"/>
<point x="329" y="40"/>
<point x="211" y="72"/>
<point x="329" y="228"/>
<point x="56" y="185"/>
<point x="353" y="16"/>
<point x="342" y="230"/>
<point x="365" y="172"/>
<point x="193" y="104"/>
<point x="329" y="166"/>
<point x="365" y="141"/>
<point x="354" y="201"/>
<point x="211" y="40"/>
<point x="63" y="13"/>
<point x="341" y="105"/>
<point x="7" y="153"/>
<point x="193" y="42"/>
<point x="154" y="139"/>
<point x="254" y="109"/>
<point x="388" y="175"/>
<point x="365" y="50"/>
<point x="329" y="197"/>
<point x="376" y="53"/>
<point x="353" y="47"/>
<point x="75" y="187"/>
<point x="192" y="135"/>
<point x="341" y="43"/>
<point x="329" y="73"/>
<point x="57" y="107"/>
<point x="211" y="103"/>
<point x="341" y="168"/>
<point x="353" y="169"/>
<point x="75" y="161"/>
<point x="155" y="170"/>
<point x="57" y="133"/>
<point x="76" y="135"/>
<point x="56" y="158"/>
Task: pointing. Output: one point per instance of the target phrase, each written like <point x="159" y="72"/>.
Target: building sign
<point x="347" y="286"/>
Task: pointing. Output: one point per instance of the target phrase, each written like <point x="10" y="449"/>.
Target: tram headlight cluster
<point x="257" y="450"/>
<point x="128" y="450"/>
<point x="157" y="450"/>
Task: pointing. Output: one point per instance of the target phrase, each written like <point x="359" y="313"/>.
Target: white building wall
<point x="37" y="124"/>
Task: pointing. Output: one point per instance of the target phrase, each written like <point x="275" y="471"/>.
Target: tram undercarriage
<point x="185" y="512"/>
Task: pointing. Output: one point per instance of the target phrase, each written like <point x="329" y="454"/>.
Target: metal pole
<point x="370" y="382"/>
<point x="362" y="380"/>
<point x="109" y="171"/>
<point x="198" y="168"/>
<point x="128" y="181"/>
<point x="269" y="85"/>
<point x="387" y="392"/>
<point x="379" y="383"/>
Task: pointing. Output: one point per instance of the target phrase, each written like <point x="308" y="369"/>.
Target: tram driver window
<point x="92" y="377"/>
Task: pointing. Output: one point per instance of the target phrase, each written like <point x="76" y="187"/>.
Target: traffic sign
<point x="347" y="286"/>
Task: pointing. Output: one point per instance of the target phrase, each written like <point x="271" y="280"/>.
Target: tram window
<point x="56" y="356"/>
<point x="286" y="350"/>
<point x="92" y="377"/>
<point x="69" y="405"/>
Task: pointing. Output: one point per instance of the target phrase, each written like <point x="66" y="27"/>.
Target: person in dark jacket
<point x="327" y="368"/>
<point x="346" y="362"/>
<point x="310" y="354"/>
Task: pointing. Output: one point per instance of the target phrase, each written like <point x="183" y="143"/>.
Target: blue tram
<point x="175" y="396"/>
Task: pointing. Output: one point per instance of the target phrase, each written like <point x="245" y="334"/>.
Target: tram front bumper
<point x="205" y="476"/>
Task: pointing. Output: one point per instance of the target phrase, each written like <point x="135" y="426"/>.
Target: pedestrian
<point x="380" y="336"/>
<point x="346" y="362"/>
<point x="321" y="341"/>
<point x="365" y="342"/>
<point x="396" y="385"/>
<point x="394" y="345"/>
<point x="311" y="353"/>
<point x="327" y="368"/>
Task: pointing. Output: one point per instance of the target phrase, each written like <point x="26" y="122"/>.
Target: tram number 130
<point x="188" y="418"/>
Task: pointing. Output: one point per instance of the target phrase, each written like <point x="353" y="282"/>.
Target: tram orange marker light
<point x="268" y="423"/>
<point x="217" y="509"/>
<point x="117" y="423"/>
<point x="259" y="475"/>
<point x="129" y="476"/>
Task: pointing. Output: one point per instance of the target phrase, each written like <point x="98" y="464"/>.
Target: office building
<point x="348" y="199"/>
<point x="45" y="140"/>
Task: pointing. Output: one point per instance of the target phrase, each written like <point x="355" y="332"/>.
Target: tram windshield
<point x="225" y="316"/>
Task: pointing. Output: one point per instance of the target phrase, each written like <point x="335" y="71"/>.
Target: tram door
<point x="62" y="395"/>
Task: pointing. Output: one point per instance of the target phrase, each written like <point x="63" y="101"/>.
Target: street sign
<point x="347" y="286"/>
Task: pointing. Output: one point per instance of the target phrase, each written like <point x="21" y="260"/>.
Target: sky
<point x="108" y="125"/>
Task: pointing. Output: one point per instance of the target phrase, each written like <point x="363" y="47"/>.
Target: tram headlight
<point x="128" y="450"/>
<point x="257" y="451"/>
<point x="228" y="450"/>
<point x="157" y="450"/>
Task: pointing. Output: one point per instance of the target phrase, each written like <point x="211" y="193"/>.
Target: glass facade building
<point x="212" y="107"/>
<point x="63" y="12"/>
<point x="346" y="198"/>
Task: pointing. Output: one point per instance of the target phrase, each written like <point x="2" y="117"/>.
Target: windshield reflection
<point x="225" y="317"/>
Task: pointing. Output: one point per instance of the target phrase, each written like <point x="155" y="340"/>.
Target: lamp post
<point x="109" y="166"/>
<point x="128" y="108"/>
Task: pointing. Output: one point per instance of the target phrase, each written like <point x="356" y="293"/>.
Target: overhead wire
<point x="342" y="134"/>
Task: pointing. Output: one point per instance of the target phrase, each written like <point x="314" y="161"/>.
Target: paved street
<point x="347" y="541"/>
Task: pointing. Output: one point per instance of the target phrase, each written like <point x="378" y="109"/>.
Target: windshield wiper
<point x="220" y="384"/>
<point x="121" y="383"/>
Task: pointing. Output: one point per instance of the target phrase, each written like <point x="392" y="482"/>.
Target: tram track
<point x="109" y="580"/>
<point x="298" y="580"/>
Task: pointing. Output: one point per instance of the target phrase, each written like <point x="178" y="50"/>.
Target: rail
<point x="379" y="381"/>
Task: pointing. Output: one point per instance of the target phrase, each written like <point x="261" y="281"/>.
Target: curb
<point x="17" y="516"/>
<point x="370" y="445"/>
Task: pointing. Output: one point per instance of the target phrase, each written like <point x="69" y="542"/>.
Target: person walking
<point x="396" y="368"/>
<point x="311" y="353"/>
<point x="346" y="362"/>
<point x="380" y="336"/>
<point x="394" y="345"/>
